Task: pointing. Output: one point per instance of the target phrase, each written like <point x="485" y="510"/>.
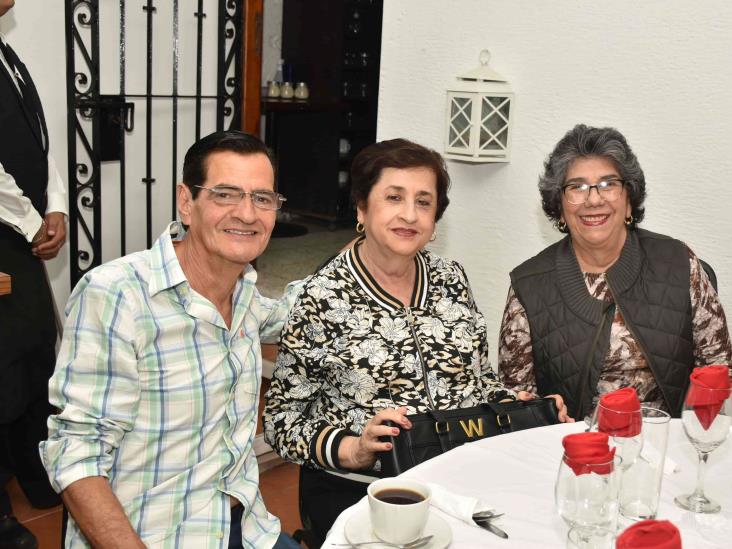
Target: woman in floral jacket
<point x="385" y="329"/>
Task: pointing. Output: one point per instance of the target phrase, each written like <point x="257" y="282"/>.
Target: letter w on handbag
<point x="473" y="428"/>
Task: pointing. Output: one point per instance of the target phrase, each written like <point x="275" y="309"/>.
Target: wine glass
<point x="618" y="425"/>
<point x="586" y="496"/>
<point x="706" y="417"/>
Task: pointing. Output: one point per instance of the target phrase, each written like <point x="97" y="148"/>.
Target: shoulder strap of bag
<point x="442" y="428"/>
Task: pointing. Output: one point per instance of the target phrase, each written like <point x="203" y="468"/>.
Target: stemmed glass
<point x="586" y="496"/>
<point x="706" y="417"/>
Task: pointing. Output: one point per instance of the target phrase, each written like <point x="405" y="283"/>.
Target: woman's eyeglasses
<point x="579" y="193"/>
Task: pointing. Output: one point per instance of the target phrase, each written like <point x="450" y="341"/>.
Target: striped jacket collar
<point x="376" y="292"/>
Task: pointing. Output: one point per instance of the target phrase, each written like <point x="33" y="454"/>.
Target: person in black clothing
<point x="32" y="229"/>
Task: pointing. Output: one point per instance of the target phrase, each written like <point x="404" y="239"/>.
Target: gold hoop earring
<point x="560" y="225"/>
<point x="360" y="228"/>
<point x="434" y="237"/>
<point x="629" y="220"/>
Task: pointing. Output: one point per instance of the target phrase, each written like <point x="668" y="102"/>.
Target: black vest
<point x="23" y="137"/>
<point x="27" y="325"/>
<point x="570" y="330"/>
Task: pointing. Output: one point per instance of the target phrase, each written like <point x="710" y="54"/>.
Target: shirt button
<point x="219" y="535"/>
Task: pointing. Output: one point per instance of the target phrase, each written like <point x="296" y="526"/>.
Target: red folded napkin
<point x="650" y="534"/>
<point x="588" y="453"/>
<point x="618" y="413"/>
<point x="707" y="404"/>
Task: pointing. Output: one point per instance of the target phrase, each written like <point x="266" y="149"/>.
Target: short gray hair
<point x="583" y="141"/>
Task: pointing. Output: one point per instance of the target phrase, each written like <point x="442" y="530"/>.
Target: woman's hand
<point x="558" y="402"/>
<point x="360" y="452"/>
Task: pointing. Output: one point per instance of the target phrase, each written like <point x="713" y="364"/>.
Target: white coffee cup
<point x="399" y="509"/>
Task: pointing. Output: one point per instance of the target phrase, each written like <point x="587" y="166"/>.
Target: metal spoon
<point x="489" y="515"/>
<point x="416" y="544"/>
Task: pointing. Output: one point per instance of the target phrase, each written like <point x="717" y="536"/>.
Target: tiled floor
<point x="288" y="259"/>
<point x="279" y="489"/>
<point x="44" y="523"/>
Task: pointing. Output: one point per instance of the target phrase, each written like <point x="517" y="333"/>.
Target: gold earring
<point x="434" y="237"/>
<point x="629" y="220"/>
<point x="360" y="228"/>
<point x="560" y="225"/>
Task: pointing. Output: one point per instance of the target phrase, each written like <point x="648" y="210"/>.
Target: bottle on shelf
<point x="287" y="91"/>
<point x="301" y="91"/>
<point x="273" y="89"/>
<point x="278" y="77"/>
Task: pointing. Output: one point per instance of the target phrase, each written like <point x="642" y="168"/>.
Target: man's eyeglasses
<point x="230" y="196"/>
<point x="579" y="193"/>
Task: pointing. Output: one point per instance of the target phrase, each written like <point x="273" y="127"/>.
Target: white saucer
<point x="358" y="530"/>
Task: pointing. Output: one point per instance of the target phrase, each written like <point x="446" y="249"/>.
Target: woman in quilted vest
<point x="385" y="329"/>
<point x="610" y="305"/>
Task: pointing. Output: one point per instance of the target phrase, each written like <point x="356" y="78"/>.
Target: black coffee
<point x="399" y="496"/>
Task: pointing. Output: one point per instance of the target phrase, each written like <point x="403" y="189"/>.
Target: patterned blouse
<point x="625" y="365"/>
<point x="349" y="349"/>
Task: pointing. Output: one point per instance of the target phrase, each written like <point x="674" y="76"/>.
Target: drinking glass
<point x="706" y="426"/>
<point x="640" y="487"/>
<point x="588" y="502"/>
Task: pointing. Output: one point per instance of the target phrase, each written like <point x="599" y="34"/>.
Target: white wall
<point x="660" y="71"/>
<point x="36" y="32"/>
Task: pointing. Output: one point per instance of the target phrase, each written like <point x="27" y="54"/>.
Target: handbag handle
<point x="442" y="428"/>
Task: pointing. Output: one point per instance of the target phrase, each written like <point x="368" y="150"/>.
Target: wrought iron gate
<point x="103" y="145"/>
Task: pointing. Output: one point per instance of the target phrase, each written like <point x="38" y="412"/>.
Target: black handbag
<point x="437" y="431"/>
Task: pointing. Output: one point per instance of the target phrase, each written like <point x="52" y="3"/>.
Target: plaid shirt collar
<point x="166" y="272"/>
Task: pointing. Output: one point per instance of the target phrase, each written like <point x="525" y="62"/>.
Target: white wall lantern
<point x="479" y="111"/>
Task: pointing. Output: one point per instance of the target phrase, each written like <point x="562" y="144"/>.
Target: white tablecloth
<point x="516" y="473"/>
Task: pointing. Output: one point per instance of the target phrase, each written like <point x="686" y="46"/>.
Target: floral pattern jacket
<point x="349" y="349"/>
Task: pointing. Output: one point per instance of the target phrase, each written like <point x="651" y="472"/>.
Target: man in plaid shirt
<point x="158" y="376"/>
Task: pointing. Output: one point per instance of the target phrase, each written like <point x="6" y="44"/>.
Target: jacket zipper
<point x="640" y="345"/>
<point x="410" y="321"/>
<point x="588" y="364"/>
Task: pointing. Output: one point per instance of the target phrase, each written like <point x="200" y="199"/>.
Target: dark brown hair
<point x="585" y="142"/>
<point x="400" y="154"/>
<point x="194" y="165"/>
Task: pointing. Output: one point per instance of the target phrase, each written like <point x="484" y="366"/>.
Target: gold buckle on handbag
<point x="438" y="430"/>
<point x="500" y="422"/>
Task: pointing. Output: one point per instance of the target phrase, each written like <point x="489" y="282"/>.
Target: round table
<point x="515" y="473"/>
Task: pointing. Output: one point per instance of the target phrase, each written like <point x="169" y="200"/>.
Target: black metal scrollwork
<point x="86" y="109"/>
<point x="82" y="87"/>
<point x="228" y="105"/>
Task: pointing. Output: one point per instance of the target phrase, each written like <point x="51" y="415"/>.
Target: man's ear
<point x="185" y="203"/>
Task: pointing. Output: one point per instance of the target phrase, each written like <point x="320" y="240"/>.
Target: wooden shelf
<point x="294" y="105"/>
